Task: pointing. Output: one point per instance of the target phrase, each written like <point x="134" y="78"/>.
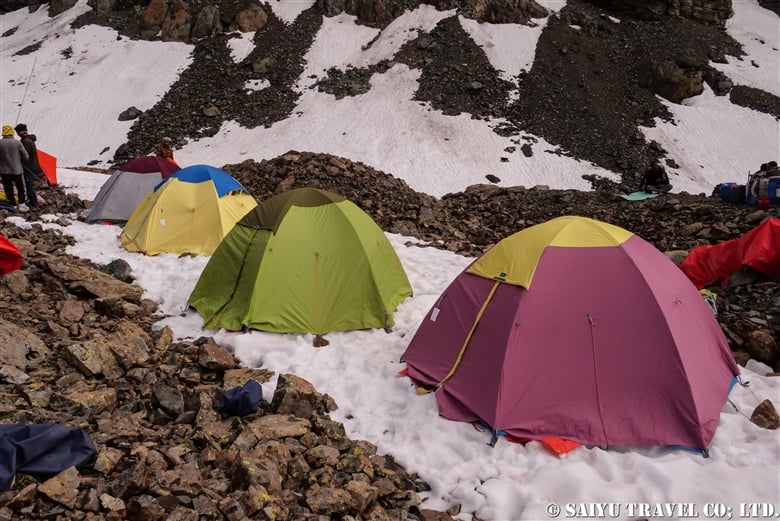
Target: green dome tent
<point x="304" y="261"/>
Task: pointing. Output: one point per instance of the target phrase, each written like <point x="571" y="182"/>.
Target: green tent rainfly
<point x="304" y="261"/>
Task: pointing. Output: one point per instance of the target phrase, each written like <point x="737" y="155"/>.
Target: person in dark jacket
<point x="12" y="153"/>
<point x="32" y="168"/>
<point x="655" y="179"/>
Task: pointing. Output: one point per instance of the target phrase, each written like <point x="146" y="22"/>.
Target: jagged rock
<point x="71" y="310"/>
<point x="250" y="20"/>
<point x="62" y="488"/>
<point x="765" y="416"/>
<point x="96" y="283"/>
<point x="278" y="426"/>
<point x="213" y="356"/>
<point x="129" y="114"/>
<point x="363" y="493"/>
<point x="155" y="14"/>
<point x="211" y="111"/>
<point x="16" y="282"/>
<point x="296" y="396"/>
<point x="432" y="515"/>
<point x="690" y="230"/>
<point x="124" y="427"/>
<point x="182" y="513"/>
<point x="37" y="394"/>
<point x="239" y="377"/>
<point x="206" y="23"/>
<point x="130" y="345"/>
<point x="165" y="339"/>
<point x="671" y="81"/>
<point x="322" y="455"/>
<point x="95" y="357"/>
<point x="718" y="82"/>
<point x="367" y="11"/>
<point x="762" y="346"/>
<point x="254" y="499"/>
<point x="145" y="508"/>
<point x="677" y="256"/>
<point x="170" y="399"/>
<point x="24" y="497"/>
<point x="745" y="275"/>
<point x="177" y="24"/>
<point x="107" y="460"/>
<point x="19" y="345"/>
<point x="707" y="11"/>
<point x="329" y="501"/>
<point x="120" y="270"/>
<point x="85" y="403"/>
<point x="12" y="375"/>
<point x="504" y="11"/>
<point x="58" y="6"/>
<point x="112" y="504"/>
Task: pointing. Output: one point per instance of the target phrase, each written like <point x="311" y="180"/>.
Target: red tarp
<point x="49" y="166"/>
<point x="10" y="256"/>
<point x="758" y="249"/>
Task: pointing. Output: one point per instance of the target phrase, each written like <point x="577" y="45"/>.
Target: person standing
<point x="165" y="149"/>
<point x="32" y="169"/>
<point x="12" y="153"/>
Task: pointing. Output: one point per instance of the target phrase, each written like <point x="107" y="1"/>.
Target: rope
<point x="758" y="400"/>
<point x="745" y="385"/>
<point x="738" y="409"/>
<point x="317" y="289"/>
<point x="465" y="342"/>
<point x="433" y="286"/>
<point x="596" y="375"/>
<point x="26" y="88"/>
<point x="436" y="289"/>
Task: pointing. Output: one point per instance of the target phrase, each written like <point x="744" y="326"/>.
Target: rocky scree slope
<point x="79" y="350"/>
<point x="593" y="84"/>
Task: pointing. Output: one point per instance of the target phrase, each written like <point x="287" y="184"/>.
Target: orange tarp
<point x="49" y="166"/>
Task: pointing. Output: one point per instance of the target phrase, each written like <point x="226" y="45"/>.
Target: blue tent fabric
<point x="41" y="450"/>
<point x="242" y="400"/>
<point x="223" y="182"/>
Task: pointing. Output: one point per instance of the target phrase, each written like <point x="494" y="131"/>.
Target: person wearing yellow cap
<point x="12" y="153"/>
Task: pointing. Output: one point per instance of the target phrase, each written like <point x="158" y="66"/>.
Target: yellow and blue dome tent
<point x="303" y="261"/>
<point x="189" y="212"/>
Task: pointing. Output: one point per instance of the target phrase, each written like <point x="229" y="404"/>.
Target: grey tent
<point x="126" y="187"/>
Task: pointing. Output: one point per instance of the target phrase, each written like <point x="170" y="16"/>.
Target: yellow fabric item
<point x="514" y="259"/>
<point x="8" y="130"/>
<point x="711" y="299"/>
<point x="181" y="217"/>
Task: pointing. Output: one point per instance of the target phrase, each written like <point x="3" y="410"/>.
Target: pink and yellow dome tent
<point x="579" y="330"/>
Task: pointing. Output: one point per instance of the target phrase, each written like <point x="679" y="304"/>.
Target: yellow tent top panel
<point x="515" y="258"/>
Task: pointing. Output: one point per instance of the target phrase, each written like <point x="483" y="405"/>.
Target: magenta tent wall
<point x="580" y="330"/>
